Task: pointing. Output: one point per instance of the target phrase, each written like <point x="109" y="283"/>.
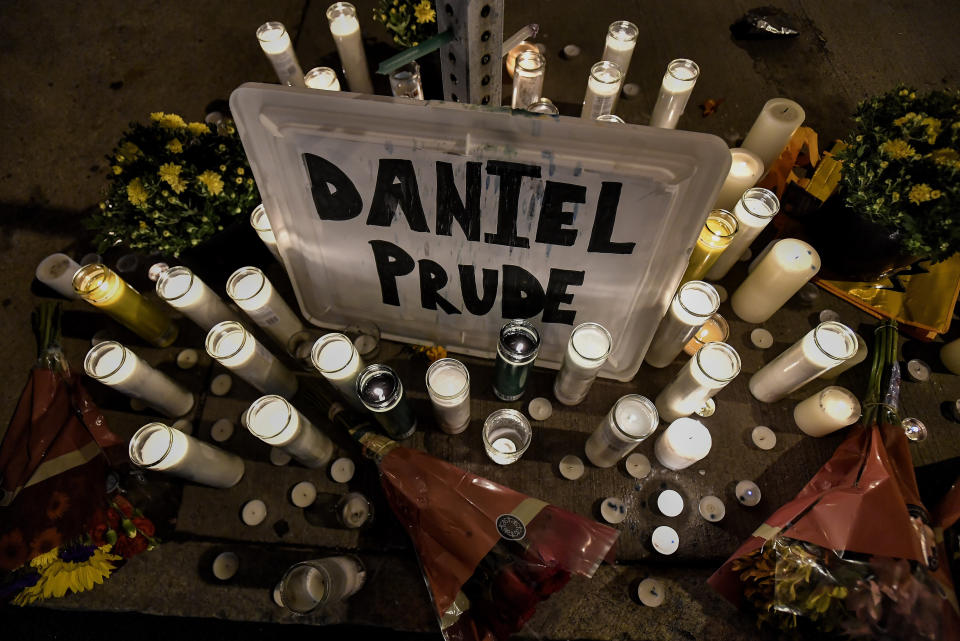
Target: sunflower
<point x="13" y="550"/>
<point x="58" y="505"/>
<point x="76" y="568"/>
<point x="45" y="541"/>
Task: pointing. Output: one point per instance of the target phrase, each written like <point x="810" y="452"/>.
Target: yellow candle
<point x="717" y="232"/>
<point x="102" y="287"/>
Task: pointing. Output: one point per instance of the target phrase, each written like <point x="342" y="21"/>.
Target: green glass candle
<point x="517" y="349"/>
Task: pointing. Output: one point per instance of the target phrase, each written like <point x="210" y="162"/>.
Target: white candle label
<point x="263" y="316"/>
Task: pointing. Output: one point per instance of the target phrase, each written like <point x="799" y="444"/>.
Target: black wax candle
<point x="381" y="392"/>
<point x="517" y="349"/>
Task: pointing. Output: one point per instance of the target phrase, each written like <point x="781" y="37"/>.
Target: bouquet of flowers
<point x="410" y="22"/>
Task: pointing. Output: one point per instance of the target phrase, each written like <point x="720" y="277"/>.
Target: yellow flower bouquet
<point x="409" y="22"/>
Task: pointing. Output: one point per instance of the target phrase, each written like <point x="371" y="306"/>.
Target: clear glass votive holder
<point x="278" y="47"/>
<point x="528" y="79"/>
<point x="544" y="106"/>
<point x="381" y="391"/>
<point x="506" y="436"/>
<point x="336" y="358"/>
<point x="405" y="81"/>
<point x="708" y="372"/>
<point x="273" y="420"/>
<point x="322" y="78"/>
<point x="717" y="234"/>
<point x="236" y="349"/>
<point x="517" y="347"/>
<point x="587" y="350"/>
<point x="312" y="586"/>
<point x="448" y="385"/>
<point x="112" y="364"/>
<point x="678" y="83"/>
<point x="628" y="423"/>
<point x="158" y="447"/>
<point x="354" y="510"/>
<point x="693" y="304"/>
<point x="715" y="330"/>
<point x="181" y="289"/>
<point x="603" y="86"/>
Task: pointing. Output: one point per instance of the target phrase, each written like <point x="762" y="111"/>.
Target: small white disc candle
<point x="181" y="289"/>
<point x="303" y="494"/>
<point x="773" y="128"/>
<point x="261" y="225"/>
<point x="56" y="272"/>
<point x="683" y="443"/>
<point x="221" y="384"/>
<point x="638" y="465"/>
<point x="354" y="510"/>
<point x="753" y="210"/>
<point x="712" y="509"/>
<point x="918" y="371"/>
<point x="342" y="470"/>
<point x="571" y="51"/>
<point x="710" y="370"/>
<point x="602" y="88"/>
<point x="221" y="430"/>
<point x="827" y="411"/>
<point x="322" y="78"/>
<point x="345" y="29"/>
<point x="254" y="512"/>
<point x="225" y="566"/>
<point x="276" y="44"/>
<point x="187" y="358"/>
<point x="746" y="168"/>
<point x="763" y="437"/>
<point x="670" y="503"/>
<point x="587" y="351"/>
<point x="236" y="349"/>
<point x="278" y="457"/>
<point x="571" y="467"/>
<point x="665" y="540"/>
<point x="856" y="359"/>
<point x="779" y="274"/>
<point x="540" y="408"/>
<point x="761" y="338"/>
<point x="613" y="510"/>
<point x="448" y="386"/>
<point x="254" y="294"/>
<point x="183" y="425"/>
<point x="651" y="593"/>
<point x="692" y="305"/>
<point x="630" y="421"/>
<point x="748" y="493"/>
<point x="950" y="355"/>
<point x="334" y="356"/>
<point x="678" y="83"/>
<point x="157" y="447"/>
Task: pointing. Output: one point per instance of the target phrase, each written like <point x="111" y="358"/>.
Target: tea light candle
<point x="303" y="494"/>
<point x="778" y="275"/>
<point x="278" y="457"/>
<point x="187" y="358"/>
<point x="345" y="29"/>
<point x="629" y="422"/>
<point x="381" y="391"/>
<point x="717" y="234"/>
<point x="236" y="349"/>
<point x="712" y="509"/>
<point x="221" y="385"/>
<point x="754" y="211"/>
<point x="746" y="168"/>
<point x="856" y="359"/>
<point x="342" y="470"/>
<point x="602" y="88"/>
<point x="354" y="510"/>
<point x="254" y="512"/>
<point x="181" y="289"/>
<point x="692" y="305"/>
<point x="254" y="294"/>
<point x="821" y="348"/>
<point x="104" y="289"/>
<point x="156" y="446"/>
<point x="56" y="272"/>
<point x="950" y="355"/>
<point x="773" y="128"/>
<point x="714" y="330"/>
<point x="528" y="79"/>
<point x="748" y="493"/>
<point x="613" y="510"/>
<point x="665" y="540"/>
<point x="273" y="420"/>
<point x="587" y="351"/>
<point x="678" y="83"/>
<point x="683" y="443"/>
<point x="827" y="411"/>
<point x="506" y="436"/>
<point x="918" y="371"/>
<point x="571" y="467"/>
<point x="261" y="225"/>
<point x="638" y="465"/>
<point x="651" y="593"/>
<point x="763" y="437"/>
<point x="708" y="372"/>
<point x="670" y="503"/>
<point x="448" y="385"/>
<point x="540" y="409"/>
<point x="761" y="338"/>
<point x="322" y="78"/>
<point x="620" y="43"/>
<point x="276" y="44"/>
<point x="334" y="356"/>
<point x="225" y="565"/>
<point x="517" y="347"/>
<point x="221" y="430"/>
<point x="113" y="364"/>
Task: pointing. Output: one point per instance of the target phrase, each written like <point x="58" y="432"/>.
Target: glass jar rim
<point x="840" y="329"/>
<point x="686" y="64"/>
<point x="513" y="414"/>
<point x="374" y="370"/>
<point x="259" y="214"/>
<point x="841" y="391"/>
<point x="728" y="351"/>
<point x="325" y="340"/>
<point x="305" y="567"/>
<point x="623" y="30"/>
<point x="96" y="352"/>
<point x="724" y="215"/>
<point x="611" y="68"/>
<point x="167" y="274"/>
<point x="91" y="276"/>
<point x="262" y="402"/>
<point x="140" y="435"/>
<point x="530" y="55"/>
<point x="647" y="405"/>
<point x="338" y="9"/>
<point x="603" y="330"/>
<point x="455" y="364"/>
<point x="217" y="333"/>
<point x="765" y="195"/>
<point x="238" y="275"/>
<point x="271" y="25"/>
<point x="707" y="289"/>
<point x="518" y="325"/>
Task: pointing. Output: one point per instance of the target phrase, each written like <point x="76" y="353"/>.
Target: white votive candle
<point x="345" y="29"/>
<point x="651" y="593"/>
<point x="181" y="289"/>
<point x="237" y="350"/>
<point x="56" y="272"/>
<point x="334" y="356"/>
<point x="613" y="510"/>
<point x="631" y="420"/>
<point x="670" y="503"/>
<point x="254" y="294"/>
<point x="603" y="86"/>
<point x="273" y="420"/>
<point x="823" y="347"/>
<point x="528" y="79"/>
<point x="827" y="411"/>
<point x="678" y="83"/>
<point x="746" y="168"/>
<point x="712" y="509"/>
<point x="571" y="467"/>
<point x="587" y="351"/>
<point x="322" y="78"/>
<point x="303" y="494"/>
<point x="950" y="356"/>
<point x="261" y="225"/>
<point x="354" y="510"/>
<point x="156" y="446"/>
<point x="773" y="128"/>
<point x="754" y="211"/>
<point x="705" y="374"/>
<point x="113" y="364"/>
<point x="778" y="275"/>
<point x="276" y="44"/>
<point x="856" y="359"/>
<point x="692" y="305"/>
<point x="665" y="540"/>
<point x="683" y="443"/>
<point x="448" y="385"/>
<point x="620" y="43"/>
<point x="342" y="470"/>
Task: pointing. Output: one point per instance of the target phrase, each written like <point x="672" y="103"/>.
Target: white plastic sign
<point x="438" y="221"/>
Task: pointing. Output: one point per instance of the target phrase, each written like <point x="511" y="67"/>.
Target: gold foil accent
<point x="452" y="614"/>
<point x="528" y="509"/>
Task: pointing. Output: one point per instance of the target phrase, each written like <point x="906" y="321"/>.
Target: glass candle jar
<point x="683" y="443"/>
<point x="312" y="586"/>
<point x="345" y="29"/>
<point x="678" y="83"/>
<point x="237" y="350"/>
<point x="628" y="423"/>
<point x="604" y="84"/>
<point x="113" y="364"/>
<point x="261" y="225"/>
<point x="276" y="44"/>
<point x="528" y="79"/>
<point x="746" y="168"/>
<point x="754" y="211"/>
<point x="336" y="357"/>
<point x="157" y="447"/>
<point x="692" y="305"/>
<point x="708" y="372"/>
<point x="827" y="411"/>
<point x="254" y="294"/>
<point x="544" y="106"/>
<point x="717" y="234"/>
<point x="354" y="510"/>
<point x="506" y="436"/>
<point x="104" y="289"/>
<point x="405" y="82"/>
<point x="380" y="390"/>
<point x="587" y="351"/>
<point x="517" y="349"/>
<point x="322" y="78"/>
<point x="715" y="330"/>
<point x="620" y="43"/>
<point x="448" y="385"/>
<point x="181" y="289"/>
<point x="825" y="346"/>
<point x="273" y="420"/>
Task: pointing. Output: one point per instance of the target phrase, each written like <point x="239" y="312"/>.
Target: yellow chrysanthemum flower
<point x="223" y="167"/>
<point x="905" y="119"/>
<point x="238" y="180"/>
<point x="897" y="148"/>
<point x="175" y="146"/>
<point x="212" y="181"/>
<point x="895" y="196"/>
<point x="157" y="116"/>
<point x="922" y="193"/>
<point x="904" y="92"/>
<point x="143" y="224"/>
<point x="129" y="150"/>
<point x="117" y="170"/>
<point x="933" y="128"/>
<point x="946" y="157"/>
<point x="170" y="174"/>
<point x="172" y="121"/>
<point x="240" y="170"/>
<point x="198" y="128"/>
<point x="424" y="12"/>
<point x="136" y="193"/>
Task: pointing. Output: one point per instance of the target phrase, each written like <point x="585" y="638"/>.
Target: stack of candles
<point x="156" y="446"/>
<point x="273" y="420"/>
<point x="678" y="83"/>
<point x="113" y="364"/>
<point x="694" y="303"/>
<point x="779" y="274"/>
<point x="587" y="351"/>
<point x="254" y="294"/>
<point x="717" y="234"/>
<point x="236" y="349"/>
<point x="755" y="209"/>
<point x="345" y="29"/>
<point x="184" y="291"/>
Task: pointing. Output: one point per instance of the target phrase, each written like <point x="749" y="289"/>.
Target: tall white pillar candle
<point x="337" y="359"/>
<point x="276" y="44"/>
<point x="620" y="43"/>
<point x="273" y="420"/>
<point x="678" y="83"/>
<point x="181" y="289"/>
<point x="746" y="168"/>
<point x="448" y="385"/>
<point x="56" y="272"/>
<point x="322" y="78"/>
<point x="587" y="351"/>
<point x="780" y="274"/>
<point x="692" y="305"/>
<point x="827" y="411"/>
<point x="604" y="84"/>
<point x="528" y="79"/>
<point x="629" y="422"/>
<point x="773" y="128"/>
<point x="754" y="211"/>
<point x="254" y="294"/>
<point x="950" y="356"/>
<point x="826" y="345"/>
<point x="705" y="374"/>
<point x="237" y="350"/>
<point x="861" y="355"/>
<point x="113" y="364"/>
<point x="261" y="225"/>
<point x="345" y="29"/>
<point x="158" y="447"/>
<point x="683" y="443"/>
